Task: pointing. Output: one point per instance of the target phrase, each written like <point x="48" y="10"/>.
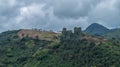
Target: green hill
<point x="71" y="49"/>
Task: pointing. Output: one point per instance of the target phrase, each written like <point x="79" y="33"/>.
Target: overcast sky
<point x="56" y="14"/>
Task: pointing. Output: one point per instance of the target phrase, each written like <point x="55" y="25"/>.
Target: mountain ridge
<point x="102" y="31"/>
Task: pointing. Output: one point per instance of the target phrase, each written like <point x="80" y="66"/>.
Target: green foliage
<point x="77" y="31"/>
<point x="41" y="53"/>
<point x="30" y="44"/>
<point x="54" y="44"/>
<point x="16" y="52"/>
<point x="69" y="51"/>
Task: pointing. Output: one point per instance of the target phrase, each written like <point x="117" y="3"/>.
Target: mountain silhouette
<point x="97" y="29"/>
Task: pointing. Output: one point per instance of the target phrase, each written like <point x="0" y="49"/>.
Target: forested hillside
<point x="71" y="49"/>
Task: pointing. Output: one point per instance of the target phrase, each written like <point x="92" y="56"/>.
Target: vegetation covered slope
<point x="13" y="51"/>
<point x="72" y="49"/>
<point x="113" y="34"/>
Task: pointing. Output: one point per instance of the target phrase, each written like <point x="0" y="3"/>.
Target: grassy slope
<point x="43" y="35"/>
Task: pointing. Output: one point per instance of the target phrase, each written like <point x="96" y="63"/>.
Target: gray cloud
<point x="55" y="14"/>
<point x="107" y="13"/>
<point x="73" y="8"/>
<point x="70" y="8"/>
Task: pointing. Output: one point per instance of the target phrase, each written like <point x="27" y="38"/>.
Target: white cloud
<point x="34" y="9"/>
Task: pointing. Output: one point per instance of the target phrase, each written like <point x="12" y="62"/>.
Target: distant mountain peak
<point x="97" y="24"/>
<point x="97" y="29"/>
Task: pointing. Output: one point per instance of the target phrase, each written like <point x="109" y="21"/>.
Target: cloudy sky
<point x="56" y="14"/>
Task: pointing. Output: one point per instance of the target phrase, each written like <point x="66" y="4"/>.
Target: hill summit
<point x="42" y="35"/>
<point x="97" y="29"/>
